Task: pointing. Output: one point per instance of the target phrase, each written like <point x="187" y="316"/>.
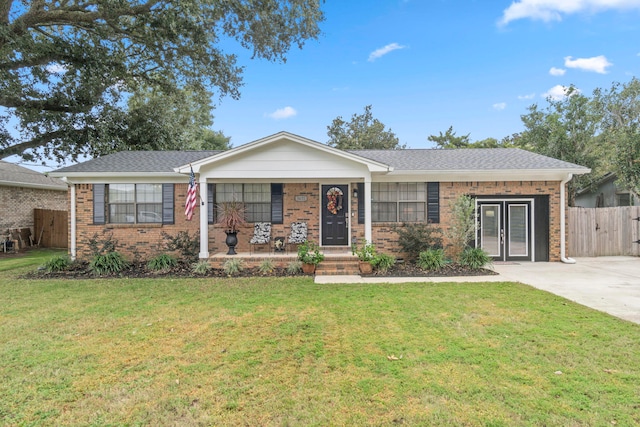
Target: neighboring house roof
<point x="12" y="175"/>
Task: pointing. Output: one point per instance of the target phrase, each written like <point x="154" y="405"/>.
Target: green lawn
<point x="274" y="352"/>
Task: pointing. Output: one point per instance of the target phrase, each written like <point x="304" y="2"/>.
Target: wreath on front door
<point x="334" y="197"/>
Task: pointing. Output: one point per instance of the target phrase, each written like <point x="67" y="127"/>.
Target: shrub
<point x="162" y="262"/>
<point x="57" y="263"/>
<point x="233" y="266"/>
<point x="294" y="267"/>
<point x="109" y="263"/>
<point x="187" y="245"/>
<point x="431" y="259"/>
<point x="463" y="225"/>
<point x="266" y="266"/>
<point x="414" y="238"/>
<point x="201" y="267"/>
<point x="475" y="258"/>
<point x="383" y="262"/>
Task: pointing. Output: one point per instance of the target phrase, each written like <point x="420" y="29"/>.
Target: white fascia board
<point x="372" y="165"/>
<point x="121" y="177"/>
<point x="32" y="185"/>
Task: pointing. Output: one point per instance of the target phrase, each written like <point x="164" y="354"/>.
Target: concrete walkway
<point x="608" y="284"/>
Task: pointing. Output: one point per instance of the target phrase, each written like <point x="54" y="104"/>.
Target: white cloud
<point x="528" y="96"/>
<point x="558" y="92"/>
<point x="553" y="10"/>
<point x="557" y="71"/>
<point x="597" y="64"/>
<point x="283" y="113"/>
<point x="500" y="106"/>
<point x="378" y="53"/>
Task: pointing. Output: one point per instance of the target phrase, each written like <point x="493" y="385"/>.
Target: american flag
<point x="192" y="198"/>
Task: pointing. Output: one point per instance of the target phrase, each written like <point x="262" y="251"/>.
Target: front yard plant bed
<point x="409" y="269"/>
<point x="80" y="270"/>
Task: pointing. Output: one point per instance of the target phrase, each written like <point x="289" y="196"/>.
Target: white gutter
<point x="72" y="219"/>
<point x="563" y="220"/>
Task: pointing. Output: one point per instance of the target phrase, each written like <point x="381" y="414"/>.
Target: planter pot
<point x="231" y="241"/>
<point x="365" y="267"/>
<point x="308" y="268"/>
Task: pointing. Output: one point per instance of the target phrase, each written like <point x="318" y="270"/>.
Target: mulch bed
<point x="80" y="270"/>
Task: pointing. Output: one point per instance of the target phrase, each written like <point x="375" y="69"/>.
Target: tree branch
<point x="36" y="142"/>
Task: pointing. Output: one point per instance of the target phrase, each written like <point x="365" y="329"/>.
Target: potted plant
<point x="366" y="255"/>
<point x="310" y="256"/>
<point x="231" y="217"/>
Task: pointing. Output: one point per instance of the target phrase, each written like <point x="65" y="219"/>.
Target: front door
<point x="505" y="229"/>
<point x="335" y="215"/>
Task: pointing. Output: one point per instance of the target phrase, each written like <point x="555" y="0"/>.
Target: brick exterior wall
<point x="18" y="204"/>
<point x="145" y="241"/>
<point x="386" y="240"/>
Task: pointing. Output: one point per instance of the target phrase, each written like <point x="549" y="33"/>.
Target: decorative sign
<point x="301" y="198"/>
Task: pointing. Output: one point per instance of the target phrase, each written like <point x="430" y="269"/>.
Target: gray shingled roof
<point x="18" y="176"/>
<point x="478" y="159"/>
<point x="139" y="161"/>
<point x="464" y="159"/>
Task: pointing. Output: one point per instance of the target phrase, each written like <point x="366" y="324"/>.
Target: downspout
<point x="563" y="220"/>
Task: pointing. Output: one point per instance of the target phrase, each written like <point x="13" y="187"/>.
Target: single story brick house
<point x="342" y="196"/>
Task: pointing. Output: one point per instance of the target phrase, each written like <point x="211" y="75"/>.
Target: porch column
<point x="204" y="219"/>
<point x="368" y="235"/>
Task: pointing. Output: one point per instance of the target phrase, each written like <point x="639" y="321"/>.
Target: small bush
<point x="233" y="266"/>
<point x="294" y="267"/>
<point x="189" y="246"/>
<point x="57" y="263"/>
<point x="201" y="267"/>
<point x="162" y="262"/>
<point x="414" y="238"/>
<point x="266" y="266"/>
<point x="475" y="258"/>
<point x="109" y="263"/>
<point x="431" y="259"/>
<point x="383" y="262"/>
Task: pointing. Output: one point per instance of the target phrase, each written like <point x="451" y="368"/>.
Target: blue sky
<point x="427" y="65"/>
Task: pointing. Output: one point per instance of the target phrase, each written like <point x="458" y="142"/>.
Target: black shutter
<point x="167" y="204"/>
<point x="211" y="197"/>
<point x="277" y="204"/>
<point x="433" y="202"/>
<point x="361" y="199"/>
<point x="99" y="216"/>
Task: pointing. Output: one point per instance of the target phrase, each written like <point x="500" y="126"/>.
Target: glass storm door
<point x="505" y="230"/>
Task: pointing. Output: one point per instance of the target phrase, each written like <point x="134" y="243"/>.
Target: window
<point x="404" y="202"/>
<point x="263" y="202"/>
<point x="135" y="203"/>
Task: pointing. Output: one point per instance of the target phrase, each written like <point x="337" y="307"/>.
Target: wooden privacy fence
<point x="604" y="231"/>
<point x="51" y="228"/>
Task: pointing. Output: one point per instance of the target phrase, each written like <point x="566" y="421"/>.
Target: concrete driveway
<point x="609" y="284"/>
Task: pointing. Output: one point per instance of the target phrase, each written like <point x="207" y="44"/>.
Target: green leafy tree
<point x="362" y="132"/>
<point x="566" y="129"/>
<point x="66" y="67"/>
<point x="620" y="109"/>
<point x="450" y="140"/>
